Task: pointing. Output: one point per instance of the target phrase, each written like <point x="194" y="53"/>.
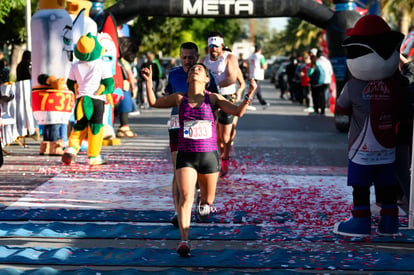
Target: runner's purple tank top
<point x="203" y="112"/>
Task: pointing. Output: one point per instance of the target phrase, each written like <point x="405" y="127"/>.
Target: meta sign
<point x="218" y="7"/>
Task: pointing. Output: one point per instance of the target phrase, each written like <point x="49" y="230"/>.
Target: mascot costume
<point x="108" y="36"/>
<point x="79" y="11"/>
<point x="374" y="97"/>
<point x="52" y="48"/>
<point x="92" y="83"/>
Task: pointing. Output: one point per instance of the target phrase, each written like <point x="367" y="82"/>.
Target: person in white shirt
<point x="257" y="67"/>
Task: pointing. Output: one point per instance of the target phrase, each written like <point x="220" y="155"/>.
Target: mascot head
<point x="372" y="49"/>
<point x="88" y="48"/>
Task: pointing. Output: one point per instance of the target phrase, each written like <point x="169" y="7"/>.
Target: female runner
<point x="197" y="156"/>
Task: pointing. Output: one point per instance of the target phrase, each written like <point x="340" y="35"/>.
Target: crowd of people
<point x="308" y="81"/>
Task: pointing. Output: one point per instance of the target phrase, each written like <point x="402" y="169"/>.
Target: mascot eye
<point x="107" y="58"/>
<point x="356" y="51"/>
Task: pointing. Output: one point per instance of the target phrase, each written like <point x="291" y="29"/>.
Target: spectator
<point x="305" y="82"/>
<point x="327" y="67"/>
<point x="158" y="87"/>
<point x="292" y="80"/>
<point x="155" y="70"/>
<point x="24" y="68"/>
<point x="244" y="66"/>
<point x="4" y="72"/>
<point x="142" y="94"/>
<point x="317" y="78"/>
<point x="128" y="48"/>
<point x="257" y="67"/>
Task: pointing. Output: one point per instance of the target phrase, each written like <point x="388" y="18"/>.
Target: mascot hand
<point x="52" y="81"/>
<point x="100" y="90"/>
<point x="110" y="100"/>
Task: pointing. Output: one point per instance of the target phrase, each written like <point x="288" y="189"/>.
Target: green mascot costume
<point x="92" y="83"/>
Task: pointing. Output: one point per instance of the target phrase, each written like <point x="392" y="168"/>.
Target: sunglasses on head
<point x="213" y="46"/>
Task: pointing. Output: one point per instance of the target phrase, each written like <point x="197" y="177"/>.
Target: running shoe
<point x="69" y="156"/>
<point x="203" y="211"/>
<point x="174" y="220"/>
<point x="224" y="167"/>
<point x="99" y="160"/>
<point x="184" y="248"/>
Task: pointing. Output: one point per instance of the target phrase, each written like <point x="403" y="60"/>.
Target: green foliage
<point x="399" y="14"/>
<point x="298" y="37"/>
<point x="275" y="45"/>
<point x="165" y="34"/>
<point x="12" y="21"/>
<point x="7" y="5"/>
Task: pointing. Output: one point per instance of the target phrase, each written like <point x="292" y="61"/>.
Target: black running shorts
<point x="203" y="162"/>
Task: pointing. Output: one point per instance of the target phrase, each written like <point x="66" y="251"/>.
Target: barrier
<point x="17" y="115"/>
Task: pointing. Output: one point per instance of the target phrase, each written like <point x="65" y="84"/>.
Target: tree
<point x="13" y="26"/>
<point x="12" y="22"/>
<point x="165" y="34"/>
<point x="7" y="6"/>
<point x="300" y="36"/>
<point x="399" y="13"/>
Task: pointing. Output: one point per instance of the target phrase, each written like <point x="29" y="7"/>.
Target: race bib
<point x="173" y="122"/>
<point x="197" y="129"/>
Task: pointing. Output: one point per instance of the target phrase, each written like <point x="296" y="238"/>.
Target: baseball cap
<point x="215" y="41"/>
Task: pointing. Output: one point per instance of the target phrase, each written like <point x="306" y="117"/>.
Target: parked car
<point x="274" y="67"/>
<point x="280" y="78"/>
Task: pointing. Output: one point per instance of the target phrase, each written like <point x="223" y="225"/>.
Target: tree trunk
<point x="405" y="22"/>
<point x="15" y="58"/>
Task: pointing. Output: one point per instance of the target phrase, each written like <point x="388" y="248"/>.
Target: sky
<point x="278" y="23"/>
